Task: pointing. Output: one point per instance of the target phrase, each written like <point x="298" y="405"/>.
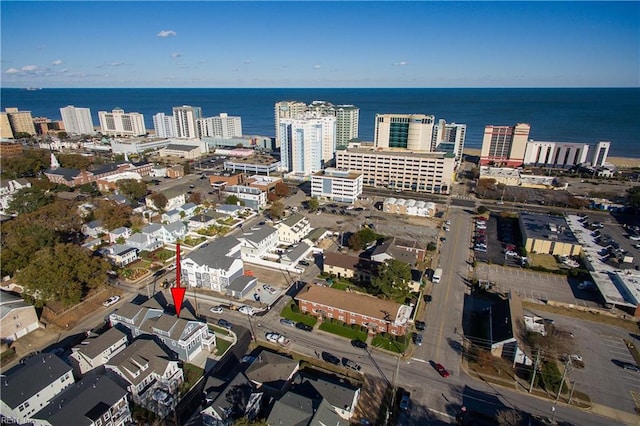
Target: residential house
<point x="175" y="198"/>
<point x="238" y="399"/>
<point x="295" y="254"/>
<point x="293" y="229"/>
<point x="170" y="216"/>
<point x="378" y="315"/>
<point x="350" y="267"/>
<point x="252" y="198"/>
<point x="230" y="210"/>
<point x="143" y="242"/>
<point x="186" y="337"/>
<point x="33" y="385"/>
<point x="204" y="220"/>
<point x="93" y="353"/>
<point x="241" y="286"/>
<point x="17" y="318"/>
<point x="95" y="400"/>
<point x="213" y="265"/>
<point x="297" y="410"/>
<point x="158" y="171"/>
<point x="258" y="241"/>
<point x="122" y="232"/>
<point x="92" y="243"/>
<point x="189" y="210"/>
<point x="120" y="254"/>
<point x="340" y="394"/>
<point x="8" y="188"/>
<point x="407" y="251"/>
<point x="93" y="228"/>
<point x="150" y="375"/>
<point x="166" y="233"/>
<point x="272" y="372"/>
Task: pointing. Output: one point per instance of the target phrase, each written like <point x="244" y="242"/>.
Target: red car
<point x="441" y="370"/>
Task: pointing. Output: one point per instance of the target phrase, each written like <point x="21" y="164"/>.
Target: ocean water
<point x="563" y="115"/>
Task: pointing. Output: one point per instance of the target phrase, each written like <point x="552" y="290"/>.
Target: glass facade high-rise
<point x="408" y="131"/>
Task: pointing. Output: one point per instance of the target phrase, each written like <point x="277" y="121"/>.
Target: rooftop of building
<point x="94" y="347"/>
<point x="398" y="152"/>
<point x="546" y="227"/>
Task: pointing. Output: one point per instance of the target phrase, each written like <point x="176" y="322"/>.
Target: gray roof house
<point x="272" y="372"/>
<point x="297" y="410"/>
<point x="185" y="337"/>
<point x="93" y="353"/>
<point x="258" y="241"/>
<point x="121" y="232"/>
<point x="293" y="229"/>
<point x="166" y="233"/>
<point x="143" y="242"/>
<point x="214" y="265"/>
<point x="204" y="220"/>
<point x="95" y="400"/>
<point x="241" y="286"/>
<point x="238" y="399"/>
<point x="93" y="228"/>
<point x="340" y="394"/>
<point x="17" y="318"/>
<point x="146" y="370"/>
<point x="295" y="254"/>
<point x="33" y="385"/>
<point x="120" y="254"/>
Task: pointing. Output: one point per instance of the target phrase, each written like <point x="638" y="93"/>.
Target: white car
<point x="272" y="337"/>
<point x="111" y="301"/>
<point x="247" y="310"/>
<point x="268" y="288"/>
<point x="283" y="341"/>
<point x="511" y="253"/>
<point x="216" y="310"/>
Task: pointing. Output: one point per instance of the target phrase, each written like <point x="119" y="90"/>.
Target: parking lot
<point x="502" y="237"/>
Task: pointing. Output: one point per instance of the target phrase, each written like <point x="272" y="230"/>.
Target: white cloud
<point x="167" y="33"/>
<point x="12" y="71"/>
<point x="116" y="64"/>
<point x="175" y="55"/>
<point x="30" y="68"/>
<point x="400" y="64"/>
<point x="316" y="67"/>
<point x="246" y="61"/>
<point x="57" y="62"/>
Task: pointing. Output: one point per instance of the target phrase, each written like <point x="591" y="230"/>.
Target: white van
<point x="437" y="274"/>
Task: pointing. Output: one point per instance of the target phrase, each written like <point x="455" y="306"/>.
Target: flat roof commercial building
<point x="548" y="234"/>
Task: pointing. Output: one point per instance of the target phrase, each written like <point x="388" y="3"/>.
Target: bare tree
<point x="509" y="417"/>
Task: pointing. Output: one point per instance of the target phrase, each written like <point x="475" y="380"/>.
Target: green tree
<point x="314" y="204"/>
<point x="63" y="273"/>
<point x="20" y="241"/>
<point x="91" y="189"/>
<point x="392" y="280"/>
<point x="27" y="200"/>
<point x="195" y="198"/>
<point x="112" y="214"/>
<point x="187" y="167"/>
<point x="233" y="200"/>
<point x="28" y="164"/>
<point x="74" y="161"/>
<point x="159" y="200"/>
<point x="281" y="189"/>
<point x="132" y="189"/>
<point x="277" y="210"/>
<point x="355" y="243"/>
<point x="633" y="198"/>
<point x="63" y="135"/>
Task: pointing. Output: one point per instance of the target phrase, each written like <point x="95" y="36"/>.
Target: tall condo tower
<point x="600" y="153"/>
<point x="119" y="123"/>
<point x="307" y="143"/>
<point x="164" y="125"/>
<point x="409" y="131"/>
<point x="221" y="126"/>
<point x="77" y="121"/>
<point x="287" y="109"/>
<point x="185" y="118"/>
<point x="20" y="121"/>
<point x="504" y="145"/>
<point x="449" y="137"/>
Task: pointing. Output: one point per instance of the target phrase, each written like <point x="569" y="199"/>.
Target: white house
<point x="93" y="228"/>
<point x="253" y="198"/>
<point x="93" y="353"/>
<point x="121" y="254"/>
<point x="166" y="233"/>
<point x="122" y="232"/>
<point x="8" y="188"/>
<point x="33" y="385"/>
<point x="293" y="229"/>
<point x="17" y="318"/>
<point x="143" y="242"/>
<point x="258" y="241"/>
<point x="175" y="198"/>
<point x="147" y="370"/>
<point x="213" y="265"/>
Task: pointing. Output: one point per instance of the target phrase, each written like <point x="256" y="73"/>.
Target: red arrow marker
<point x="177" y="292"/>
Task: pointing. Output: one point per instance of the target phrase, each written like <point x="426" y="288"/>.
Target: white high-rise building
<point x="449" y="137"/>
<point x="409" y="131"/>
<point x="77" y="121"/>
<point x="287" y="109"/>
<point x="221" y="126"/>
<point x="600" y="153"/>
<point x="119" y="123"/>
<point x="186" y="118"/>
<point x="307" y="143"/>
<point x="164" y="125"/>
<point x="347" y="119"/>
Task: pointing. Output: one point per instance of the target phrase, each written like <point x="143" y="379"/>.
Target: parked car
<point x="417" y="339"/>
<point x="272" y="337"/>
<point x="330" y="358"/>
<point x="350" y="364"/>
<point x="268" y="288"/>
<point x="247" y="310"/>
<point x="420" y="325"/>
<point x="216" y="310"/>
<point x="359" y="344"/>
<point x="283" y="340"/>
<point x="304" y="263"/>
<point x="632" y="367"/>
<point x="304" y="327"/>
<point x="441" y="370"/>
<point x="285" y="321"/>
<point x="248" y="359"/>
<point x="405" y="401"/>
<point x="225" y="324"/>
<point x="111" y="301"/>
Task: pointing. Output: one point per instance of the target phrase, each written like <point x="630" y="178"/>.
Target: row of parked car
<point x="480" y="235"/>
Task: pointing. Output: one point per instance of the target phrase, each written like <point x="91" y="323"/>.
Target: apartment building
<point x="20" y="121"/>
<point x="308" y="143"/>
<point x="504" y="146"/>
<point x="186" y="118"/>
<point x="286" y="109"/>
<point x="214" y="265"/>
<point x="119" y="123"/>
<point x="222" y="126"/>
<point x="5" y="126"/>
<point x="449" y="137"/>
<point x="253" y="198"/>
<point x="164" y="125"/>
<point x="77" y="121"/>
<point x="337" y="185"/>
<point x="409" y="131"/>
<point x="347" y="119"/>
<point x="400" y="169"/>
<point x="293" y="229"/>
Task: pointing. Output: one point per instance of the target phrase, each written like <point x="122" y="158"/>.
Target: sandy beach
<point x="621" y="162"/>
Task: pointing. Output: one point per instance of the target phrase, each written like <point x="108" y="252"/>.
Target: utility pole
<point x="535" y="370"/>
<point x="564" y="376"/>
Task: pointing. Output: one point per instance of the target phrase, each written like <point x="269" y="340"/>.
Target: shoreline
<point x="621" y="162"/>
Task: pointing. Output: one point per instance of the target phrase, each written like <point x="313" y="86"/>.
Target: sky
<point x="242" y="44"/>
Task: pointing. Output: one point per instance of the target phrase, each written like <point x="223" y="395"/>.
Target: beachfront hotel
<point x="77" y="121"/>
<point x="119" y="123"/>
<point x="222" y="126"/>
<point x="400" y="169"/>
<point x="185" y="118"/>
<point x="308" y="143"/>
<point x="504" y="146"/>
<point x="409" y="131"/>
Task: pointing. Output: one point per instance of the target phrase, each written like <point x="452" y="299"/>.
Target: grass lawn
<point x="219" y="330"/>
<point x="343" y="330"/>
<point x="289" y="313"/>
<point x="547" y="261"/>
<point x="379" y="341"/>
<point x="221" y="346"/>
<point x="192" y="374"/>
<point x="344" y="284"/>
<point x="7" y="355"/>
